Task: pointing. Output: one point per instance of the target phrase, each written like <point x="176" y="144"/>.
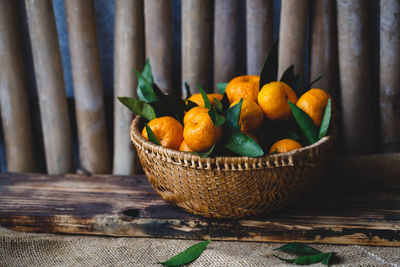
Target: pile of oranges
<point x="259" y="107"/>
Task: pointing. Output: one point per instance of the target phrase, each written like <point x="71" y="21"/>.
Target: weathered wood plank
<point x="14" y="104"/>
<point x="259" y="33"/>
<point x="128" y="56"/>
<point x="158" y="29"/>
<point x="292" y="36"/>
<point x="355" y="76"/>
<point x="128" y="206"/>
<point x="225" y="40"/>
<point x="196" y="44"/>
<point x="324" y="56"/>
<point x="88" y="89"/>
<point x="50" y="83"/>
<point x="389" y="75"/>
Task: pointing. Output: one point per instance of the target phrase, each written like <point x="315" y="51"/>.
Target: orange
<point x="273" y="99"/>
<point x="284" y="145"/>
<point x="245" y="87"/>
<point x="198" y="99"/>
<point x="313" y="102"/>
<point x="184" y="147"/>
<point x="251" y="116"/>
<point x="168" y="131"/>
<point x="199" y="132"/>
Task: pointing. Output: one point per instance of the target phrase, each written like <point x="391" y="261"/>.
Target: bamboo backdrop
<point x="218" y="40"/>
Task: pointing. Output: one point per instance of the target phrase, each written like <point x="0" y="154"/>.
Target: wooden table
<point x="336" y="213"/>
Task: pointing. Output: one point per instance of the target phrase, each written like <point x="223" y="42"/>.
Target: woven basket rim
<point x="281" y="159"/>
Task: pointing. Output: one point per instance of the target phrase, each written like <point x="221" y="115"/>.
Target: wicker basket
<point x="230" y="187"/>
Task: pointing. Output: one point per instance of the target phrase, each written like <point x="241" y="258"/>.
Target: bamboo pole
<point x="324" y="58"/>
<point x="390" y="75"/>
<point x="259" y="33"/>
<point x="292" y="36"/>
<point x="225" y="40"/>
<point x="158" y="29"/>
<point x="355" y="76"/>
<point x="14" y="105"/>
<point x="88" y="89"/>
<point x="50" y="84"/>
<point x="196" y="44"/>
<point x="128" y="56"/>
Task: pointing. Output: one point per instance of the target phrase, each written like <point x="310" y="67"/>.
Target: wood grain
<point x="50" y="84"/>
<point x="158" y="30"/>
<point x="225" y="40"/>
<point x="128" y="206"/>
<point x="88" y="89"/>
<point x="324" y="57"/>
<point x="292" y="36"/>
<point x="259" y="33"/>
<point x="196" y="44"/>
<point x="14" y="105"/>
<point x="389" y="75"/>
<point x="355" y="76"/>
<point x="128" y="56"/>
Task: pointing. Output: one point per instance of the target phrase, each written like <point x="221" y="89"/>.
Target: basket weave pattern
<point x="230" y="187"/>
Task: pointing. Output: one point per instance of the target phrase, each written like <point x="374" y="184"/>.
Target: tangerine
<point x="273" y="99"/>
<point x="168" y="131"/>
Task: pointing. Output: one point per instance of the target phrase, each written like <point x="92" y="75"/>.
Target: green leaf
<point x="273" y="153"/>
<point x="298" y="248"/>
<point x="170" y="105"/>
<point x="225" y="102"/>
<point x="310" y="259"/>
<point x="305" y="123"/>
<point x="152" y="137"/>
<point x="160" y="94"/>
<point x="188" y="255"/>
<point x="190" y="105"/>
<point x="145" y="89"/>
<point x="147" y="73"/>
<point x="315" y="80"/>
<point x="243" y="144"/>
<point x="221" y="87"/>
<point x="204" y="154"/>
<point x="328" y="258"/>
<point x="232" y="117"/>
<point x="326" y="119"/>
<point x="269" y="71"/>
<point x="288" y="75"/>
<point x="139" y="107"/>
<point x="218" y="105"/>
<point x="292" y="79"/>
<point x="203" y="93"/>
<point x="187" y="88"/>
<point x="295" y="84"/>
<point x="217" y="119"/>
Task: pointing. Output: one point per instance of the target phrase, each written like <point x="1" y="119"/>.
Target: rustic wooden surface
<point x="340" y="212"/>
<point x="50" y="84"/>
<point x="13" y="93"/>
<point x="128" y="56"/>
<point x="389" y="75"/>
<point x="88" y="89"/>
<point x="355" y="76"/>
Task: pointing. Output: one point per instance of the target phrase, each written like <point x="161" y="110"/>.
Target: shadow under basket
<point x="231" y="187"/>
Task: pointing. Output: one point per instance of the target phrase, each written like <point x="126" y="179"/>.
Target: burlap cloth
<point x="26" y="249"/>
